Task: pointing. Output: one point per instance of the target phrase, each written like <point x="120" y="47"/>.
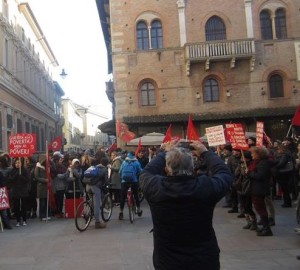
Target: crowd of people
<point x="28" y="184"/>
<point x="265" y="167"/>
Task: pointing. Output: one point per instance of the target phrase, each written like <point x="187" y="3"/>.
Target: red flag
<point x="139" y="147"/>
<point x="168" y="136"/>
<point x="112" y="148"/>
<point x="55" y="145"/>
<point x="123" y="132"/>
<point x="296" y="118"/>
<point x="191" y="133"/>
<point x="51" y="199"/>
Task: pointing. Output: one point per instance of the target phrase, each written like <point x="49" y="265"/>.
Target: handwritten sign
<point x="259" y="133"/>
<point x="236" y="136"/>
<point x="215" y="135"/>
<point x="22" y="145"/>
<point x="4" y="201"/>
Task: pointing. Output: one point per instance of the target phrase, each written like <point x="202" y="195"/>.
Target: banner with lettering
<point x="22" y="144"/>
<point x="259" y="134"/>
<point x="215" y="135"/>
<point x="236" y="136"/>
<point x="4" y="201"/>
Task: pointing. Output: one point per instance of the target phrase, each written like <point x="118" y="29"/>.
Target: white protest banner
<point x="215" y="135"/>
<point x="259" y="133"/>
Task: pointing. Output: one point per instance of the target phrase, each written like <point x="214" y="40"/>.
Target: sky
<point x="73" y="31"/>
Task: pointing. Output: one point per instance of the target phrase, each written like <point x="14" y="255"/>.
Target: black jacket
<point x="182" y="212"/>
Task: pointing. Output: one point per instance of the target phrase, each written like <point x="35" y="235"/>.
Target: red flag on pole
<point x="123" y="132"/>
<point x="139" y="147"/>
<point x="55" y="145"/>
<point x="296" y="118"/>
<point x="168" y="136"/>
<point x="191" y="132"/>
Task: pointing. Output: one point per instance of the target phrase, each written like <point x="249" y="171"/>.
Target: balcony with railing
<point x="219" y="51"/>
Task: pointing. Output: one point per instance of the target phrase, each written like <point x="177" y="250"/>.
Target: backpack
<point x="128" y="171"/>
<point x="91" y="175"/>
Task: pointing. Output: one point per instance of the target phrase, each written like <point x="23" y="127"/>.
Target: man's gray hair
<point x="179" y="161"/>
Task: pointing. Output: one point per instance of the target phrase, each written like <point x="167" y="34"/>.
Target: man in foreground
<point x="182" y="206"/>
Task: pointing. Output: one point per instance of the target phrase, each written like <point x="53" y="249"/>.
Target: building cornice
<point x="28" y="14"/>
<point x="211" y="116"/>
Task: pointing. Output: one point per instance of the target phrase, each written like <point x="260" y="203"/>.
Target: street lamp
<point x="63" y="74"/>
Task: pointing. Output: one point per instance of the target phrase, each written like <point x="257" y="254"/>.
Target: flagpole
<point x="289" y="131"/>
<point x="1" y="224"/>
<point x="47" y="177"/>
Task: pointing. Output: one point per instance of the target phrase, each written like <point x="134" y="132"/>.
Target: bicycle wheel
<point x="83" y="216"/>
<point x="107" y="208"/>
<point x="131" y="213"/>
<point x="298" y="210"/>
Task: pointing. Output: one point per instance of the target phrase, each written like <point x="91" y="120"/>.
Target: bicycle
<point x="107" y="202"/>
<point x="84" y="213"/>
<point x="85" y="210"/>
<point x="131" y="204"/>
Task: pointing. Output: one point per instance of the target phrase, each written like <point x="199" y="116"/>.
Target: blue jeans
<point x="96" y="199"/>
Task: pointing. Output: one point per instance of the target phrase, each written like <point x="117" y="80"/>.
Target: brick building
<point x="220" y="62"/>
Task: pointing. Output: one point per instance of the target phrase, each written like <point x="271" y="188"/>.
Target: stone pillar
<point x="182" y="27"/>
<point x="249" y="19"/>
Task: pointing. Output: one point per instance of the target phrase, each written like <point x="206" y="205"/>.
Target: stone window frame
<point x="149" y="18"/>
<point x="204" y="89"/>
<point x="272" y="8"/>
<point x="272" y="90"/>
<point x="212" y="36"/>
<point x="146" y="102"/>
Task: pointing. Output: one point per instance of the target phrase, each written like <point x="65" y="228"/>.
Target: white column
<point x="182" y="27"/>
<point x="297" y="51"/>
<point x="249" y="21"/>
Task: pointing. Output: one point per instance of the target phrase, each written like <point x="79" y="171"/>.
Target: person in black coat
<point x="260" y="175"/>
<point x="18" y="180"/>
<point x="182" y="206"/>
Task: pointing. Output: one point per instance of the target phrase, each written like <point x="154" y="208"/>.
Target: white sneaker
<point x="24" y="223"/>
<point x="18" y="224"/>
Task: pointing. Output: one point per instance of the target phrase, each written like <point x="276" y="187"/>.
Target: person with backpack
<point x="129" y="171"/>
<point x="94" y="178"/>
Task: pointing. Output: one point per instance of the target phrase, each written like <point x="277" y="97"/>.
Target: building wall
<point x="27" y="90"/>
<point x="178" y="93"/>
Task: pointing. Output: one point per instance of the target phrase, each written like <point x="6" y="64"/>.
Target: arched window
<point x="147" y="91"/>
<point x="156" y="35"/>
<point x="215" y="29"/>
<point x="211" y="90"/>
<point x="265" y="25"/>
<point x="276" y="86"/>
<point x="142" y="36"/>
<point x="280" y="23"/>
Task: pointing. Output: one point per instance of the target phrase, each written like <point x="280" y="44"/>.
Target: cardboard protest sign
<point x="22" y="144"/>
<point x="215" y="135"/>
<point x="4" y="201"/>
<point x="259" y="133"/>
<point x="236" y="136"/>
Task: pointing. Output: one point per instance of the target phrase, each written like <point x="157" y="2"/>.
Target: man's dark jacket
<point x="182" y="211"/>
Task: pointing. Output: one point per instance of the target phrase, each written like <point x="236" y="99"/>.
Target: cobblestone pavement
<point x="123" y="246"/>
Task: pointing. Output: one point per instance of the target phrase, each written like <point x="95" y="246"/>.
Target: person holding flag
<point x="40" y="175"/>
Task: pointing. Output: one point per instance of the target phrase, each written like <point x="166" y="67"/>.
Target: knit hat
<point x="75" y="160"/>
